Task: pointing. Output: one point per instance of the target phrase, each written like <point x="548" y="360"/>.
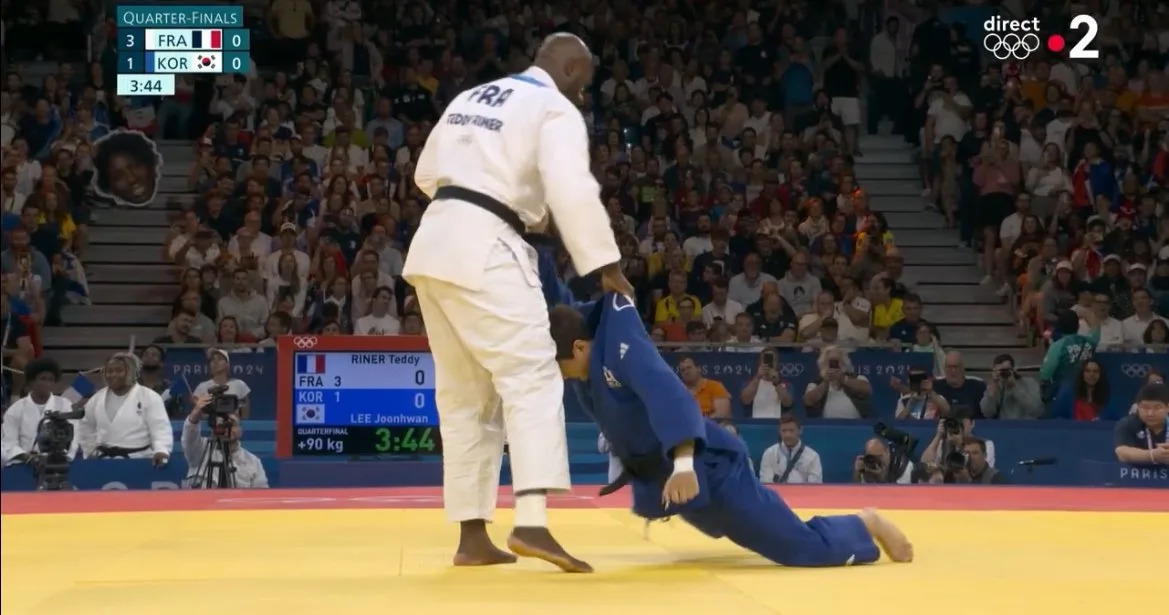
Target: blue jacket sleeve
<point x="555" y="291"/>
<point x="673" y="412"/>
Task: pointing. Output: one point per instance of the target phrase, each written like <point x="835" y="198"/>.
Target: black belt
<point x="501" y="211"/>
<point x="649" y="467"/>
<point x="116" y="452"/>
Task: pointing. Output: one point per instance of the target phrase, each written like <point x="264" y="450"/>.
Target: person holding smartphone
<point x="767" y="394"/>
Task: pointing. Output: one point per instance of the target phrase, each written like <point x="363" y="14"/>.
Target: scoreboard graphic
<point x="156" y="43"/>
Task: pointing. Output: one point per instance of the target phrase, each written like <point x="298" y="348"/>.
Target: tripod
<point x="216" y="470"/>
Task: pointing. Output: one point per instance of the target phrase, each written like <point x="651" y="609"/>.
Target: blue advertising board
<point x="1126" y="374"/>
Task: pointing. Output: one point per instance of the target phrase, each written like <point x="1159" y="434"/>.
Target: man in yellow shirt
<point x="666" y="309"/>
<point x="887" y="309"/>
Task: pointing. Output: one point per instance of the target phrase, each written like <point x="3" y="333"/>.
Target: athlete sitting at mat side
<point x="679" y="462"/>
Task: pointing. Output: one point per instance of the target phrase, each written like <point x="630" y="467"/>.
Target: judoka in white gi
<point x="501" y="157"/>
<point x="125" y="419"/>
<point x="18" y="443"/>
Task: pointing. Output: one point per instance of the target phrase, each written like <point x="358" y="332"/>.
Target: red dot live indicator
<point x="1056" y="43"/>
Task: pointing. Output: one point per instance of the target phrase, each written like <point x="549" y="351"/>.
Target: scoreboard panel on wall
<point x="155" y="43"/>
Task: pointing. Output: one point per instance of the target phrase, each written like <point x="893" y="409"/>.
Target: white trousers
<point x="495" y="365"/>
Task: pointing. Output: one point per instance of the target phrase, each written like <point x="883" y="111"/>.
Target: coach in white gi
<point x="125" y="419"/>
<point x="500" y="157"/>
<point x="22" y="420"/>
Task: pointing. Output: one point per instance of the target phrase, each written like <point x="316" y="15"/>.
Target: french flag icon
<point x="310" y="363"/>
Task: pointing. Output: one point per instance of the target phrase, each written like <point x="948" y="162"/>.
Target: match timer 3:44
<point x="369" y="441"/>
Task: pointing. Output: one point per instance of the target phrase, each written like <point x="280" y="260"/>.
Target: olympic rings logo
<point x="1136" y="370"/>
<point x="304" y="342"/>
<point x="1011" y="45"/>
<point x="790" y="370"/>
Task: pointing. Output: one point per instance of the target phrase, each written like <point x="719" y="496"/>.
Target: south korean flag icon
<point x="310" y="414"/>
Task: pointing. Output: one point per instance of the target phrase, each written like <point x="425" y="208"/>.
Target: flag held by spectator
<point x="81" y="388"/>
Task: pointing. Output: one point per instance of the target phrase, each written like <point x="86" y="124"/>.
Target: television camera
<point x="53" y="442"/>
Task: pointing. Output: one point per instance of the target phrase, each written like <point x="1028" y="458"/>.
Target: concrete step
<point x="127" y="235"/>
<point x="123" y="274"/>
<point x="911" y="204"/>
<point x="126" y="315"/>
<point x="940" y="238"/>
<point x="885" y="156"/>
<point x="99" y="337"/>
<point x="170" y="184"/>
<point x="953" y="275"/>
<point x="83" y="359"/>
<point x="875" y="143"/>
<point x="145" y="255"/>
<point x="936" y="257"/>
<point x="892" y="187"/>
<point x="975" y="315"/>
<point x="979" y="336"/>
<point x="923" y="220"/>
<point x="123" y="216"/>
<point x="886" y="171"/>
<point x="134" y="293"/>
<point x="934" y="295"/>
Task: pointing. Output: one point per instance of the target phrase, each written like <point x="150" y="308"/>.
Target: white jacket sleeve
<point x="815" y="468"/>
<point x="10" y="438"/>
<point x="572" y="193"/>
<point x="162" y="436"/>
<point x="426" y="171"/>
<point x="192" y="446"/>
<point x="87" y="428"/>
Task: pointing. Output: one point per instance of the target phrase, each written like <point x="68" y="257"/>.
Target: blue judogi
<point x="644" y="411"/>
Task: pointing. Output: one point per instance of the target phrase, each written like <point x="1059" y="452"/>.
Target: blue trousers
<point x="757" y="519"/>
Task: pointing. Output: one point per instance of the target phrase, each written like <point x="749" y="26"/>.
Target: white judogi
<point x="21" y="421"/>
<point x="522" y="142"/>
<point x="136" y="420"/>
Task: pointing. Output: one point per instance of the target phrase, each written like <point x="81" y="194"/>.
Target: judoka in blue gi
<point x="680" y="463"/>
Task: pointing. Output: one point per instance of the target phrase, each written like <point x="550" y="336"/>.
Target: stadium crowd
<point x="724" y="141"/>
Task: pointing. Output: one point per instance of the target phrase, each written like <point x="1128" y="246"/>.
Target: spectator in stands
<point x="798" y="287"/>
<point x="812" y="323"/>
<point x="219" y="367"/>
<point x="837" y="392"/>
<point x="1010" y="394"/>
<point x="1143" y="438"/>
<point x="242" y="303"/>
<point x="288" y="281"/>
<point x="22" y="420"/>
<point x="744" y="336"/>
<point x="1100" y="318"/>
<point x="721" y="306"/>
<point x="1134" y="326"/>
<point x="790" y="461"/>
<point x="379" y="320"/>
<point x="713" y="399"/>
<point x="920" y="401"/>
<point x="746" y="287"/>
<point x="1088" y="397"/>
<point x="248" y="471"/>
<point x="180" y="329"/>
<point x="1156" y="336"/>
<point x="1065" y="355"/>
<point x="958" y="388"/>
<point x="153" y="360"/>
<point x="766" y="394"/>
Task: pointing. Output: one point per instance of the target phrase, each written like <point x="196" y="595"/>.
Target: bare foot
<point x="892" y="541"/>
<point x="538" y="542"/>
<point x="489" y="556"/>
<point x="476" y="548"/>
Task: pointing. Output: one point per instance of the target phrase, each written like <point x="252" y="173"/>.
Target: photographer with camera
<point x="1009" y="394"/>
<point x="952" y="431"/>
<point x="219" y="366"/>
<point x="219" y="461"/>
<point x="24" y="420"/>
<point x="920" y="401"/>
<point x="767" y="395"/>
<point x="875" y="466"/>
<point x="125" y="420"/>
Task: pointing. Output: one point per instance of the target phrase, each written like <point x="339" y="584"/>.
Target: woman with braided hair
<point x="125" y="419"/>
